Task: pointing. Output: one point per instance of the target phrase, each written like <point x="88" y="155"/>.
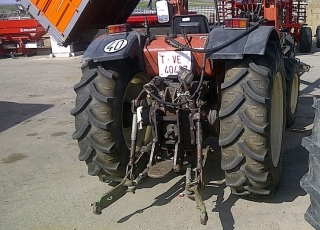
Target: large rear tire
<point x="310" y="181"/>
<point x="318" y="37"/>
<point x="252" y="123"/>
<point x="103" y="116"/>
<point x="292" y="91"/>
<point x="305" y="44"/>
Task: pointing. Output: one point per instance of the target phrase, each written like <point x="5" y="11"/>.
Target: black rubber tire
<point x="252" y="123"/>
<point x="310" y="181"/>
<point x="305" y="44"/>
<point x="318" y="37"/>
<point x="103" y="113"/>
<point x="292" y="89"/>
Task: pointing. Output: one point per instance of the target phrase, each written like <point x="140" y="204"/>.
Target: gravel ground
<point x="43" y="185"/>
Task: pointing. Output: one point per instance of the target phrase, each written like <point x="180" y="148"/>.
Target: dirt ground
<point x="43" y="185"/>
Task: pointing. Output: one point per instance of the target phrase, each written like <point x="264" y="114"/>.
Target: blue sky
<point x="7" y="1"/>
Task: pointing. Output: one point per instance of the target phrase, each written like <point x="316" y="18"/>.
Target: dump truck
<point x="148" y="100"/>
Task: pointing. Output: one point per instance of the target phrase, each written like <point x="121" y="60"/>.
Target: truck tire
<point x="103" y="116"/>
<point x="318" y="37"/>
<point x="310" y="181"/>
<point x="292" y="89"/>
<point x="252" y="123"/>
<point x="305" y="40"/>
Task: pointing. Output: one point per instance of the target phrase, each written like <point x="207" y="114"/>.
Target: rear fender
<point x="253" y="43"/>
<point x="116" y="47"/>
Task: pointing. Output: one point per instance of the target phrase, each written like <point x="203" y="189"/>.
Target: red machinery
<point x="286" y="15"/>
<point x="139" y="19"/>
<point x="19" y="36"/>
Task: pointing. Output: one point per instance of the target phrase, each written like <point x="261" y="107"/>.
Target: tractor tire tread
<point x="245" y="125"/>
<point x="305" y="44"/>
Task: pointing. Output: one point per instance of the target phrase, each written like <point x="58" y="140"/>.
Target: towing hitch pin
<point x="140" y="177"/>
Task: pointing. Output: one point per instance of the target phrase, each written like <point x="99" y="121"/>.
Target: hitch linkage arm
<point x="126" y="185"/>
<point x="136" y="169"/>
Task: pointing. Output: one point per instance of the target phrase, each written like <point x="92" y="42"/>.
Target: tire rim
<point x="134" y="87"/>
<point x="294" y="93"/>
<point x="276" y="119"/>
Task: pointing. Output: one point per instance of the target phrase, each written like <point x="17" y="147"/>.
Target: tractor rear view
<point x="146" y="102"/>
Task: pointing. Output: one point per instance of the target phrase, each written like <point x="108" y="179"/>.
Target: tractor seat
<point x="190" y="24"/>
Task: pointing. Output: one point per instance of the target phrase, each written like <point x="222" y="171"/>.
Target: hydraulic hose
<point x="184" y="102"/>
<point x="192" y="96"/>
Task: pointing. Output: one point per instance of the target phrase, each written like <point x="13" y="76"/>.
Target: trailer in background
<point x="19" y="35"/>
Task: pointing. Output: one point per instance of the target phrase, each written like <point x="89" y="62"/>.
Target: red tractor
<point x="147" y="102"/>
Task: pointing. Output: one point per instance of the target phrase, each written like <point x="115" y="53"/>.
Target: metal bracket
<point x="110" y="197"/>
<point x="192" y="191"/>
<point x="303" y="67"/>
<point x="139" y="171"/>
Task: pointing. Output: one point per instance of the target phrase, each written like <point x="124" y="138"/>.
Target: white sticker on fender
<point x="169" y="62"/>
<point x="115" y="46"/>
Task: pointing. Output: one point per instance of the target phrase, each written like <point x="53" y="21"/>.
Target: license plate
<point x="170" y="62"/>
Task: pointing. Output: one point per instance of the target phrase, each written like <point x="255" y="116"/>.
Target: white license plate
<point x="170" y="62"/>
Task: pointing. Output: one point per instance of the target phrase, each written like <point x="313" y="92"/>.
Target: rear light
<point x="116" y="29"/>
<point x="236" y="23"/>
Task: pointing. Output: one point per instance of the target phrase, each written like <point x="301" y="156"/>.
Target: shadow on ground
<point x="311" y="87"/>
<point x="12" y="113"/>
